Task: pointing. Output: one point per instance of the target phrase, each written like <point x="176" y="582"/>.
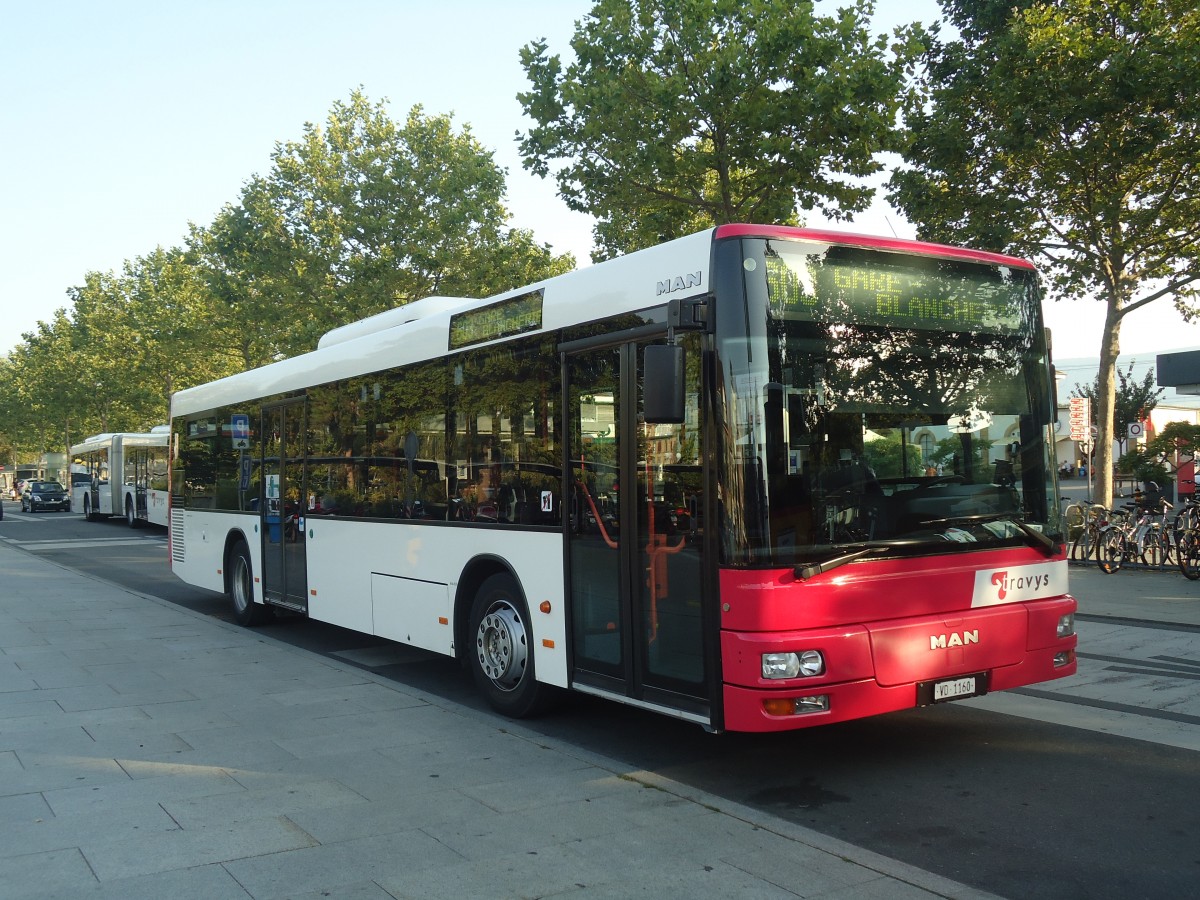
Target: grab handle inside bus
<point x="662" y="397"/>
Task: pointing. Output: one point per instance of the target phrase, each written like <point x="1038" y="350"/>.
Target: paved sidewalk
<point x="1148" y="595"/>
<point x="1138" y="661"/>
<point x="149" y="752"/>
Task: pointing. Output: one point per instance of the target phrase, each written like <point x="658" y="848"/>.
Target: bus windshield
<point x="884" y="403"/>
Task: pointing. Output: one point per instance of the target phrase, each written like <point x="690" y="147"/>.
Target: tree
<point x="245" y="260"/>
<point x="175" y="342"/>
<point x="1067" y="132"/>
<point x="356" y="217"/>
<point x="111" y="361"/>
<point x="1133" y="402"/>
<point x="1163" y="455"/>
<point x="680" y="114"/>
<point x="890" y="457"/>
<point x="39" y="380"/>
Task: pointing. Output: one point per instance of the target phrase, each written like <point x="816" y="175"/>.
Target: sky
<point x="125" y="121"/>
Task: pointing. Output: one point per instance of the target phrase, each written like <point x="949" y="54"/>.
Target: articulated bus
<point x="759" y="478"/>
<point x="122" y="474"/>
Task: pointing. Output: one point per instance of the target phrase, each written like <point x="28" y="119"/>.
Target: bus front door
<point x="285" y="572"/>
<point x="635" y="589"/>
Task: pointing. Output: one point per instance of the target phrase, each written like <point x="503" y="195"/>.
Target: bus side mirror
<point x="662" y="394"/>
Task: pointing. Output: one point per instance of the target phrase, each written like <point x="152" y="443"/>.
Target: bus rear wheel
<point x="88" y="514"/>
<point x="130" y="518"/>
<point x="240" y="589"/>
<point x="501" y="655"/>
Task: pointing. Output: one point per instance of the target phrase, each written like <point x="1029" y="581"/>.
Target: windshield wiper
<point x="1034" y="538"/>
<point x="808" y="570"/>
<point x="805" y="571"/>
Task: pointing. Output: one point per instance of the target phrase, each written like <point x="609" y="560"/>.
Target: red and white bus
<point x="759" y="478"/>
<point x="122" y="474"/>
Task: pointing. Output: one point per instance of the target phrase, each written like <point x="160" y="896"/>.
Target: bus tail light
<point x="796" y="706"/>
<point x="793" y="665"/>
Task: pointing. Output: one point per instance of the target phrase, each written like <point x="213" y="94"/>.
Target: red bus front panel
<point x="912" y="624"/>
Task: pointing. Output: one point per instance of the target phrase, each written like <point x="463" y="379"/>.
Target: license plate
<point x="957" y="687"/>
<point x="973" y="685"/>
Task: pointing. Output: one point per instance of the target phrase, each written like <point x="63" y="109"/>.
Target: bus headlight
<point x="793" y="665"/>
<point x="1066" y="625"/>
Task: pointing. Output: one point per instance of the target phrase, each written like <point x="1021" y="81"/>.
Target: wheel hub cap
<point x="501" y="646"/>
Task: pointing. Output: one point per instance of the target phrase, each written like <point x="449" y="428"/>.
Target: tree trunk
<point x="1106" y="398"/>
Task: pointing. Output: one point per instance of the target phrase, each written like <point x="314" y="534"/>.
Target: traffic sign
<point x="239" y="428"/>
<point x="1080" y="418"/>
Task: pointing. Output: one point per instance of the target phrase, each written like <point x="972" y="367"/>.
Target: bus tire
<point x="131" y="518"/>
<point x="240" y="588"/>
<point x="501" y="652"/>
<point x="88" y="515"/>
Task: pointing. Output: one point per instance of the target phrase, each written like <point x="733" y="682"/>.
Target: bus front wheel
<point x="240" y="589"/>
<point x="131" y="519"/>
<point x="88" y="515"/>
<point x="501" y="654"/>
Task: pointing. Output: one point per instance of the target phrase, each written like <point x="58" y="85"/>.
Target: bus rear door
<point x="285" y="572"/>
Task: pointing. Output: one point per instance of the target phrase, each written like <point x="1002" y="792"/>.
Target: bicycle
<point x="1186" y="533"/>
<point x="1135" y="534"/>
<point x="1083" y="522"/>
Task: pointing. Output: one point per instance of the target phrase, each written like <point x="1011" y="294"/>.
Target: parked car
<point x="44" y="495"/>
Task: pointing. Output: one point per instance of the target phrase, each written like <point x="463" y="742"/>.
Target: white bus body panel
<point x="391" y="579"/>
<point x="156" y="507"/>
<point x="397" y="580"/>
<point x="198" y="544"/>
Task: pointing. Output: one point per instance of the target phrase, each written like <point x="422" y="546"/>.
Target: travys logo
<point x="1001" y="580"/>
<point x="1015" y="584"/>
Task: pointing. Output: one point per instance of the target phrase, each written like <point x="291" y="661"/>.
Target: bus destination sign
<point x="515" y="315"/>
<point x="979" y="302"/>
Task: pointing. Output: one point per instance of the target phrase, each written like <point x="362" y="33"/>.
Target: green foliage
<point x="889" y="458"/>
<point x="1161" y="456"/>
<point x="1135" y="399"/>
<point x="357" y="217"/>
<point x="680" y="114"/>
<point x="111" y="361"/>
<point x="1096" y="180"/>
<point x="960" y="453"/>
